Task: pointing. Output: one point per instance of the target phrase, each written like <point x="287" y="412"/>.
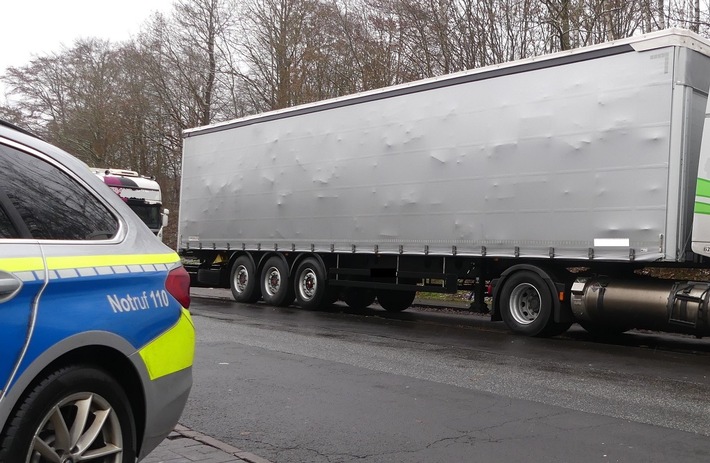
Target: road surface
<point x="293" y="386"/>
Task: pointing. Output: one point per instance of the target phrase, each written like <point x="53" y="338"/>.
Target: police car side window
<point x="52" y="204"/>
<point x="7" y="230"/>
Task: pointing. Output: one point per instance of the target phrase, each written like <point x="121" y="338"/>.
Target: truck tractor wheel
<point x="243" y="281"/>
<point x="358" y="298"/>
<point x="275" y="286"/>
<point x="310" y="285"/>
<point x="526" y="304"/>
<point x="75" y="413"/>
<point x="395" y="301"/>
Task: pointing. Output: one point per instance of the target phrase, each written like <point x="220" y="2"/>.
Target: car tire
<point x="63" y="400"/>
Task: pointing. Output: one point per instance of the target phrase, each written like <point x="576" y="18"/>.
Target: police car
<point x="96" y="343"/>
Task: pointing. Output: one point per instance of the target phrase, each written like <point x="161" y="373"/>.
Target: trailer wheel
<point x="332" y="296"/>
<point x="395" y="301"/>
<point x="598" y="330"/>
<point x="275" y="286"/>
<point x="310" y="285"/>
<point x="243" y="281"/>
<point x="358" y="298"/>
<point x="526" y="304"/>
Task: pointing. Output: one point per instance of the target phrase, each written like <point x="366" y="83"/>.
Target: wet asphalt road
<point x="296" y="386"/>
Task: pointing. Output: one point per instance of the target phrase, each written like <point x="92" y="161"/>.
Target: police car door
<point x="22" y="277"/>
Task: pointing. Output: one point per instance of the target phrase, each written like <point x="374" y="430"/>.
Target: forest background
<point x="124" y="105"/>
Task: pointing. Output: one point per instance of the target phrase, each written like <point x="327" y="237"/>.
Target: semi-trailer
<point x="556" y="182"/>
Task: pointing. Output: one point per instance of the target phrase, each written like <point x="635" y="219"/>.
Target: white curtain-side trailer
<point x="553" y="181"/>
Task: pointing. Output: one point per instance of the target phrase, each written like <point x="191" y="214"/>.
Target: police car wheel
<point x="76" y="413"/>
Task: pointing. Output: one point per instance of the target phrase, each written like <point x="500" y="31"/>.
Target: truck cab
<point x="141" y="193"/>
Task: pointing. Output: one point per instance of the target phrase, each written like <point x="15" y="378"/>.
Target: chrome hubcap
<point x="308" y="285"/>
<point x="525" y="303"/>
<point x="273" y="281"/>
<point x="241" y="279"/>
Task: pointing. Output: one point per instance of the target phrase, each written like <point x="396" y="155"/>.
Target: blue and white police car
<point x="96" y="343"/>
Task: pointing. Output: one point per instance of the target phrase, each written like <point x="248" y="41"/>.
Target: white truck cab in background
<point x="141" y="193"/>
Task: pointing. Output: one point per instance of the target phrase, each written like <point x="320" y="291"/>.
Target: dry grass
<point x="459" y="296"/>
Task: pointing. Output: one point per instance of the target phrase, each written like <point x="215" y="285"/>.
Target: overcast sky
<point x="39" y="27"/>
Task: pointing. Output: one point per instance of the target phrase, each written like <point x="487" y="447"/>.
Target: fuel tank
<point x="659" y="305"/>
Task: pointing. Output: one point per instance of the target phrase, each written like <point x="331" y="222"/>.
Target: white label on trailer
<point x="611" y="242"/>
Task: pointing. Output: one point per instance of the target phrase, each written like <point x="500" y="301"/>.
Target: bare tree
<point x="72" y="98"/>
<point x="690" y="14"/>
<point x="274" y="48"/>
<point x="187" y="55"/>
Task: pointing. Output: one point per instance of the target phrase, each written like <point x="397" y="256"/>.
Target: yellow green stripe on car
<point x="172" y="351"/>
<point x="57" y="263"/>
<point x="21" y="264"/>
<point x="25" y="264"/>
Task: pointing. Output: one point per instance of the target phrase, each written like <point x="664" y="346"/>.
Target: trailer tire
<point x="358" y="298"/>
<point x="276" y="288"/>
<point x="310" y="285"/>
<point x="555" y="329"/>
<point x="332" y="296"/>
<point x="598" y="330"/>
<point x="526" y="304"/>
<point x="243" y="281"/>
<point x="395" y="301"/>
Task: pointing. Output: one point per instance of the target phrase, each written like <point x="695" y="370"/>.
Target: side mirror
<point x="165" y="217"/>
